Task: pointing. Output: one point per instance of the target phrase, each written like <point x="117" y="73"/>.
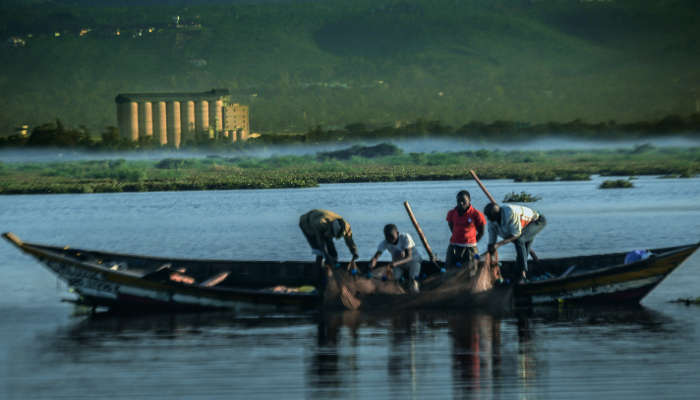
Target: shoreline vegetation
<point x="381" y="163"/>
<point x="522" y="197"/>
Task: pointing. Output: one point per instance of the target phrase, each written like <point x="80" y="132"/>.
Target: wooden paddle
<point x="420" y="232"/>
<point x="492" y="200"/>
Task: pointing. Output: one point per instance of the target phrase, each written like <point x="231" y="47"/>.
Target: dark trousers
<point x="524" y="242"/>
<point x="326" y="246"/>
<point x="462" y="255"/>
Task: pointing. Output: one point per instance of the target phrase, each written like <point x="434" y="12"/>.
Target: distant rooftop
<point x="213" y="94"/>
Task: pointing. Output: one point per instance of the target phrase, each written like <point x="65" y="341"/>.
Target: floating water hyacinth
<point x="522" y="197"/>
<point x="616" y="184"/>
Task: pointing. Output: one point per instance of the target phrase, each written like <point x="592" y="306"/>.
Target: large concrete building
<point x="173" y="118"/>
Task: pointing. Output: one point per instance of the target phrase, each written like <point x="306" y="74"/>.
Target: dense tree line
<point x="55" y="134"/>
<point x="508" y="130"/>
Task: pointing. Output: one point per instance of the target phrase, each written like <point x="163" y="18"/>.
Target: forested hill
<point x="330" y="63"/>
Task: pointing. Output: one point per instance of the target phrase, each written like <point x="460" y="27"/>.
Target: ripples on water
<point x="628" y="353"/>
<point x="645" y="352"/>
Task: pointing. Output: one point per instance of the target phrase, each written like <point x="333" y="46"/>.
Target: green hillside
<point x="331" y="63"/>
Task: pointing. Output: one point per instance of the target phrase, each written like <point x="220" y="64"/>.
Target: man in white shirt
<point x="515" y="224"/>
<point x="404" y="256"/>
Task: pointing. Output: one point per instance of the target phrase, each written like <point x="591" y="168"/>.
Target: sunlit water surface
<point x="47" y="352"/>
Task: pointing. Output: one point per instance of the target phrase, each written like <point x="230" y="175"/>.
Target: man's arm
<point x="351" y="246"/>
<point x="373" y="261"/>
<point x="492" y="233"/>
<point x="505" y="241"/>
<point x="493" y="236"/>
<point x="480" y="223"/>
<point x="402" y="261"/>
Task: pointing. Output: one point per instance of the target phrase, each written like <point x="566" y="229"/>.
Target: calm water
<point x="48" y="352"/>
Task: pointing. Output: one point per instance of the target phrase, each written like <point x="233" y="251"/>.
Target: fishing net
<point x="461" y="287"/>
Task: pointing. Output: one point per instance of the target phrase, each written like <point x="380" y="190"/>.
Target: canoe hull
<point x="100" y="280"/>
<point x="617" y="284"/>
<point x="99" y="286"/>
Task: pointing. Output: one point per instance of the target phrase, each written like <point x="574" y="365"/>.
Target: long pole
<point x="420" y="231"/>
<point x="481" y="185"/>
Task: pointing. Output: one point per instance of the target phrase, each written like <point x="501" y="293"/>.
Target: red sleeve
<point x="449" y="215"/>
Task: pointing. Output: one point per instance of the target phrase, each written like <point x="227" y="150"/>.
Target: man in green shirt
<point x="320" y="227"/>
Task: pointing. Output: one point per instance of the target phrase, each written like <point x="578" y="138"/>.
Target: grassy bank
<point x="217" y="173"/>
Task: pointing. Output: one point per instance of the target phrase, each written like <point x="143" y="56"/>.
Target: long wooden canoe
<point x="124" y="281"/>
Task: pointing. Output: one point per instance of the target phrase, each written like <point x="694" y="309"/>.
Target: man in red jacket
<point x="467" y="226"/>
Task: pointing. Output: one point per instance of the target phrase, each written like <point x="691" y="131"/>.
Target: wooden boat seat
<point x="215" y="280"/>
<point x="167" y="272"/>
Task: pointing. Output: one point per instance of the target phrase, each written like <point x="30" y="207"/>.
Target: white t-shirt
<point x="405" y="242"/>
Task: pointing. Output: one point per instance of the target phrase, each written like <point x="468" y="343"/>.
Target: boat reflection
<point x="406" y="354"/>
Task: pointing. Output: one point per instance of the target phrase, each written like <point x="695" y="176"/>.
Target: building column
<point x="202" y="117"/>
<point x="146" y="119"/>
<point x="128" y="119"/>
<point x="216" y="114"/>
<point x="160" y="124"/>
<point x="122" y="110"/>
<point x="246" y="122"/>
<point x="174" y="131"/>
<point x="188" y="119"/>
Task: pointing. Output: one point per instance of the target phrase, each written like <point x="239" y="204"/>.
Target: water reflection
<point x="321" y="355"/>
<point x="527" y="362"/>
<point x="109" y="325"/>
<point x="325" y="370"/>
<point x="476" y="347"/>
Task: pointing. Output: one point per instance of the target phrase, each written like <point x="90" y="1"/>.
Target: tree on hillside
<point x="110" y="136"/>
<point x="56" y="135"/>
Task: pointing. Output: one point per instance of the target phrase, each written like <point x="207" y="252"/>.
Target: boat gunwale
<point x="132" y="280"/>
<point x="619" y="268"/>
<point x="59" y="249"/>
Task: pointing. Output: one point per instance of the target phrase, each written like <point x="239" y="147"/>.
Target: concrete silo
<point x="216" y="110"/>
<point x="174" y="117"/>
<point x="188" y="118"/>
<point x="145" y="119"/>
<point x="160" y="123"/>
<point x="202" y="116"/>
<point x="128" y="120"/>
<point x="174" y="131"/>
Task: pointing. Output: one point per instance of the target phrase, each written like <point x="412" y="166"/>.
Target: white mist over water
<point x="426" y="145"/>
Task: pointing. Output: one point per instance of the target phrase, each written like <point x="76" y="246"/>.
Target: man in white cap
<point x="320" y="227"/>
